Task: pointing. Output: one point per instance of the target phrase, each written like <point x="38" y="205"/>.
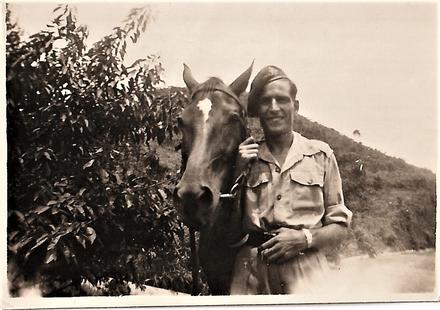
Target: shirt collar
<point x="297" y="150"/>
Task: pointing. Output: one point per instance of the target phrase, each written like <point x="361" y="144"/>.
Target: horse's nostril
<point x="206" y="198"/>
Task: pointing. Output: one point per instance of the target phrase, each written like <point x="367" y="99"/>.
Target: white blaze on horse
<point x="212" y="126"/>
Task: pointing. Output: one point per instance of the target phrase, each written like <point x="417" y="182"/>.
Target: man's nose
<point x="274" y="104"/>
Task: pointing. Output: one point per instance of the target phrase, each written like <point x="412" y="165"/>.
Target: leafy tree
<point x="87" y="196"/>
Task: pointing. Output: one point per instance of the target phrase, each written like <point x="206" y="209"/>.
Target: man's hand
<point x="247" y="151"/>
<point x="287" y="244"/>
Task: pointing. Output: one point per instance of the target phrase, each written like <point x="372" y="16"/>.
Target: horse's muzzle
<point x="195" y="204"/>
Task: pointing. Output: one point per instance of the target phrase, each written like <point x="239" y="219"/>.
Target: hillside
<point x="393" y="202"/>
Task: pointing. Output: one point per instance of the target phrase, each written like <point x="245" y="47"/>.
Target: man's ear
<point x="296" y="105"/>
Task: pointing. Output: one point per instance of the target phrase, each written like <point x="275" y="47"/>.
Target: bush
<point x="87" y="197"/>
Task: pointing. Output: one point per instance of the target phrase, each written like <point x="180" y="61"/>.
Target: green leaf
<point x="40" y="241"/>
<point x="12" y="235"/>
<point x="162" y="193"/>
<point x="67" y="253"/>
<point x="104" y="175"/>
<point x="54" y="242"/>
<point x="19" y="215"/>
<point x="129" y="201"/>
<point x="81" y="210"/>
<point x="91" y="234"/>
<point x="81" y="240"/>
<point x="88" y="164"/>
<point x="50" y="257"/>
<point x="42" y="209"/>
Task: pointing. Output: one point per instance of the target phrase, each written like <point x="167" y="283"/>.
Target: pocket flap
<point x="257" y="180"/>
<point x="305" y="177"/>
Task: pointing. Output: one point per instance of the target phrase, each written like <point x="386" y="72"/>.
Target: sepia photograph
<point x="178" y="153"/>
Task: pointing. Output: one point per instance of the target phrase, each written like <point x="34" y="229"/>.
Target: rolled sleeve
<point x="335" y="209"/>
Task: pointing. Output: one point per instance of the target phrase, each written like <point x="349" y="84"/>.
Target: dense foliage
<point x="87" y="197"/>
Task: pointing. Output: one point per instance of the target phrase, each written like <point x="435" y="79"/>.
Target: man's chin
<point x="274" y="131"/>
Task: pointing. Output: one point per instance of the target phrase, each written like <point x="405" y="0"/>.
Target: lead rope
<point x="238" y="187"/>
<point x="195" y="290"/>
<point x="194" y="257"/>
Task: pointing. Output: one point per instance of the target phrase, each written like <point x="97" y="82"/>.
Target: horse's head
<point x="212" y="126"/>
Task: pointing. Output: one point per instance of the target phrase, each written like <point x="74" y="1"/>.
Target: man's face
<point x="276" y="108"/>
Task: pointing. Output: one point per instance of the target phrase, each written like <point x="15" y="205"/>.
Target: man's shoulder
<point x="313" y="146"/>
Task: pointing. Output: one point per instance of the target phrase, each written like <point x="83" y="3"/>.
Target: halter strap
<point x="223" y="90"/>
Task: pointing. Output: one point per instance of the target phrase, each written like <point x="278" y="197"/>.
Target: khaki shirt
<point x="306" y="192"/>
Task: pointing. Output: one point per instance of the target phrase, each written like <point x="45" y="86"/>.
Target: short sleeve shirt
<point x="306" y="192"/>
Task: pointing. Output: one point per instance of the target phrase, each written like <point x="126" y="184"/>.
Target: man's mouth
<point x="274" y="118"/>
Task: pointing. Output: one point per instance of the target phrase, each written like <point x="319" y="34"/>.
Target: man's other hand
<point x="287" y="244"/>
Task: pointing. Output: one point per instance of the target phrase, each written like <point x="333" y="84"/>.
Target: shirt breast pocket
<point x="306" y="190"/>
<point x="257" y="191"/>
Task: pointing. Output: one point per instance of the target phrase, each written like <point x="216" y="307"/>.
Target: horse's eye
<point x="235" y="117"/>
<point x="180" y="123"/>
<point x="218" y="161"/>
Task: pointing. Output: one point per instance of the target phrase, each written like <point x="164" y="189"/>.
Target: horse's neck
<point x="227" y="226"/>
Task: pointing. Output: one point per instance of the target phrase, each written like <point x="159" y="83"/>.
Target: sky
<point x="370" y="67"/>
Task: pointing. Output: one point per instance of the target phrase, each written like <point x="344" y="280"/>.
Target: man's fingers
<point x="248" y="146"/>
<point x="249" y="156"/>
<point x="248" y="151"/>
<point x="275" y="257"/>
<point x="248" y="141"/>
<point x="267" y="244"/>
<point x="272" y="250"/>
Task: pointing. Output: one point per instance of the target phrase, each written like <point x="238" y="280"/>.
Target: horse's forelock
<point x="209" y="86"/>
<point x="212" y="84"/>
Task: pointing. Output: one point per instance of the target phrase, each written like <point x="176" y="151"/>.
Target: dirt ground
<point x="393" y="273"/>
<point x="365" y="277"/>
<point x="357" y="278"/>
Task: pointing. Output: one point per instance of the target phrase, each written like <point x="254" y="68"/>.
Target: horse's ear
<point x="240" y="83"/>
<point x="190" y="81"/>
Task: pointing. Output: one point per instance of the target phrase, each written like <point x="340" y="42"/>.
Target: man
<point x="293" y="203"/>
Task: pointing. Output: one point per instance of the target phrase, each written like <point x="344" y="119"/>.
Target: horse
<point x="213" y="124"/>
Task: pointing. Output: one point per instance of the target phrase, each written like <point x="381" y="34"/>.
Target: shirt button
<point x="279" y="197"/>
<point x="277" y="169"/>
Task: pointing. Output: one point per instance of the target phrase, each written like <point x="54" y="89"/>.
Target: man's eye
<point x="266" y="101"/>
<point x="283" y="99"/>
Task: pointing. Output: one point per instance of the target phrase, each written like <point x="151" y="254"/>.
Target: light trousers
<point x="303" y="274"/>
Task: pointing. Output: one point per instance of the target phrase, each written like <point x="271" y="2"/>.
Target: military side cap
<point x="265" y="76"/>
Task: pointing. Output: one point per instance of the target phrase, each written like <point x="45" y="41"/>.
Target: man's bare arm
<point x="288" y="242"/>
